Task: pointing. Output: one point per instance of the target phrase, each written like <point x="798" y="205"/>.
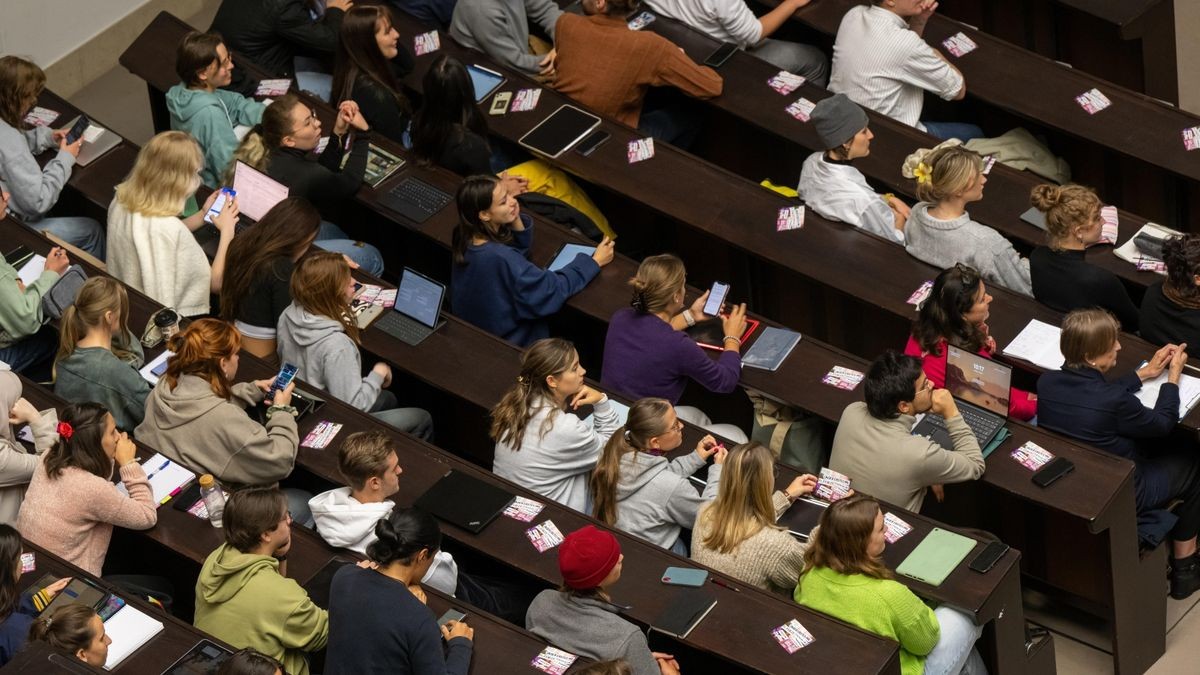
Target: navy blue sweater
<point x="14" y="630"/>
<point x="500" y="291"/>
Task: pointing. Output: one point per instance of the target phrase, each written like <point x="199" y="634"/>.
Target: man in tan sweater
<point x="874" y="445"/>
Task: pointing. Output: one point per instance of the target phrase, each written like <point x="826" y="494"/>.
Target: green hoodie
<point x="242" y="599"/>
<point x="210" y="118"/>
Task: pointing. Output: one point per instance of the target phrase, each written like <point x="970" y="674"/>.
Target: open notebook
<point x="1037" y="343"/>
<point x="129" y="629"/>
<point x="167" y="478"/>
<point x="1189" y="392"/>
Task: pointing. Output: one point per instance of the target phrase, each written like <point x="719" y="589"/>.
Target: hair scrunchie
<point x="639" y="301"/>
<point x="65" y="430"/>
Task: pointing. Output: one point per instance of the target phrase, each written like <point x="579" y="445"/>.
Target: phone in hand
<point x="219" y="204"/>
<point x="720" y="55"/>
<point x="286" y="374"/>
<point x="78" y="128"/>
<point x="716" y="298"/>
<point x="451" y="615"/>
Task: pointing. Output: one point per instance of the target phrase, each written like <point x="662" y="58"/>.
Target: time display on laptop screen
<point x="978" y="380"/>
<point x="419" y="298"/>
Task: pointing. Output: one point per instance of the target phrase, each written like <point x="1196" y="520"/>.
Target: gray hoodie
<point x="205" y="433"/>
<point x="589" y="627"/>
<point x="210" y="117"/>
<point x="655" y="499"/>
<point x="34" y="189"/>
<point x="327" y="358"/>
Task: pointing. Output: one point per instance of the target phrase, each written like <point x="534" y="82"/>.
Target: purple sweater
<point x="645" y="356"/>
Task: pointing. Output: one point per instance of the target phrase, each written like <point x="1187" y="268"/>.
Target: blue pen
<point x="164" y="465"/>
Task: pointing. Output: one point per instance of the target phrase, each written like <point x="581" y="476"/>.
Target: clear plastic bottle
<point x="214" y="499"/>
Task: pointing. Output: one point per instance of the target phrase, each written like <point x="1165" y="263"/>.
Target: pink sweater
<point x="73" y="515"/>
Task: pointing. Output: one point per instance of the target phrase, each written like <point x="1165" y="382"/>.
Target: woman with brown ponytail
<point x="636" y="489"/>
<point x="539" y="443"/>
<point x="1062" y="279"/>
<point x="75" y="629"/>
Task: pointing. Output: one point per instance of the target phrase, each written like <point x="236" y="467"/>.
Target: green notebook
<point x="936" y="556"/>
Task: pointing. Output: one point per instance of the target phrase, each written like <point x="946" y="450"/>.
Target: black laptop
<point x="465" y="501"/>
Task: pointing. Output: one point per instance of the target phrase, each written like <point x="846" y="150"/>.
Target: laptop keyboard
<point x="403" y="328"/>
<point x="415" y="199"/>
<point x="982" y="425"/>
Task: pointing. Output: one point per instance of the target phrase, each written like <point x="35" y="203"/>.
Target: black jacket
<point x="271" y="32"/>
<point x="322" y="181"/>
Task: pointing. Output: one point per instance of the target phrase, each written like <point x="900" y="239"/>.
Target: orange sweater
<point x="607" y="67"/>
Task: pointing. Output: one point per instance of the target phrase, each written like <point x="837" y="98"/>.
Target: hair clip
<point x="65" y="430"/>
<point x="628" y="437"/>
<point x="923" y="172"/>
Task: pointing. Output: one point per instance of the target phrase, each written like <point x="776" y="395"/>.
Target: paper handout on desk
<point x="1037" y="343"/>
<point x="1189" y="392"/>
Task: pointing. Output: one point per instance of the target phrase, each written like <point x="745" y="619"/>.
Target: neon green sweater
<point x="879" y="606"/>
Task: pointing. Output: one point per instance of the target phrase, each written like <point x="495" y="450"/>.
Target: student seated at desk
<point x="939" y="230"/>
<point x="493" y="284"/>
<point x="736" y="533"/>
<point x="153" y="249"/>
<point x="98" y="358"/>
<point x="1171" y="308"/>
<point x="18" y="610"/>
<point x="282" y="147"/>
<point x="646" y="352"/>
<point x="637" y="490"/>
<point x="580" y="617"/>
<point x="199" y="105"/>
<point x="319" y="334"/>
<point x="874" y="445"/>
<point x="732" y="21"/>
<point x="74" y="629"/>
<point x="243" y="593"/>
<point x="1080" y="402"/>
<point x="370" y="64"/>
<point x="609" y="68"/>
<point x="448" y="130"/>
<point x="956" y="314"/>
<point x="378" y="621"/>
<point x="1062" y="279"/>
<point x="882" y="62"/>
<point x="540" y="443"/>
<point x="27" y="343"/>
<point x="500" y="29"/>
<point x="35" y="189"/>
<point x="829" y="183"/>
<point x="845" y="578"/>
<point x="251" y="662"/>
<point x="71" y="506"/>
<point x="17" y="466"/>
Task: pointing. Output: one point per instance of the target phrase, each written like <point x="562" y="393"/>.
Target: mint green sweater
<point x="879" y="606"/>
<point x="21" y="310"/>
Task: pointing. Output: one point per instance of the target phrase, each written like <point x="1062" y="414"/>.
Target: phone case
<point x="684" y="576"/>
<point x="500" y="103"/>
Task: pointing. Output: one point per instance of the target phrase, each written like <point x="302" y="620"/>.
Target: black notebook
<point x="465" y="501"/>
<point x="690" y="606"/>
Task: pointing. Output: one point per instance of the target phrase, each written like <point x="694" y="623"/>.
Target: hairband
<point x="628" y="437"/>
<point x="65" y="430"/>
<point x="923" y="172"/>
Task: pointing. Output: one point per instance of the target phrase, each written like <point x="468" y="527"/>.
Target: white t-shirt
<point x="725" y="20"/>
<point x="840" y="192"/>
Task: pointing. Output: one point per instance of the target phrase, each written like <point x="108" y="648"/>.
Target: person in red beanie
<point x="580" y="617"/>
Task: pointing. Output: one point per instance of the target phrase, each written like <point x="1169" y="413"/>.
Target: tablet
<point x="560" y="131"/>
<point x="485" y="81"/>
<point x="567" y="253"/>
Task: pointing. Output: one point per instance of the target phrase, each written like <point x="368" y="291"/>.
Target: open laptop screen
<point x="975" y="379"/>
<point x="419" y="297"/>
<point x="256" y="191"/>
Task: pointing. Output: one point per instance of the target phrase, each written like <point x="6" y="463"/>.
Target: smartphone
<point x="593" y="141"/>
<point x="222" y="197"/>
<point x="989" y="556"/>
<point x="78" y="128"/>
<point x="500" y="103"/>
<point x="1055" y="469"/>
<point x="286" y="374"/>
<point x="716" y="298"/>
<point x="684" y="576"/>
<point x="451" y="615"/>
<point x="720" y="55"/>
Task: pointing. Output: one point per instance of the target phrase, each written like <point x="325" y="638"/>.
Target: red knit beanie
<point x="586" y="556"/>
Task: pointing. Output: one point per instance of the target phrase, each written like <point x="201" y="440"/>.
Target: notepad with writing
<point x="167" y="478"/>
<point x="1037" y="343"/>
<point x="936" y="556"/>
<point x="689" y="608"/>
<point x="1189" y="392"/>
<point x="129" y="629"/>
<point x="771" y="348"/>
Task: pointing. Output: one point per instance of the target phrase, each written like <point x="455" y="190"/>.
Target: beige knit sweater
<point x="771" y="559"/>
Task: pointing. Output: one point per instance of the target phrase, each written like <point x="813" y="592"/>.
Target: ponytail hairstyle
<point x="743" y="505"/>
<point x="250" y="661"/>
<point x="1182" y="256"/>
<point x="647" y="419"/>
<point x="358" y="54"/>
<point x="942" y="171"/>
<point x="319" y="286"/>
<point x="1066" y="207"/>
<point x="658" y="279"/>
<point x="198" y="351"/>
<point x="286" y="231"/>
<point x="80" y="442"/>
<point x="165" y="173"/>
<point x="10" y="562"/>
<point x="97" y="297"/>
<point x="264" y="138"/>
<point x="447" y="111"/>
<point x="69" y="629"/>
<point x="840" y="542"/>
<point x="545" y="358"/>
<point x="402" y="534"/>
<point x="941" y="315"/>
<point x="21" y="82"/>
<point x="474" y="196"/>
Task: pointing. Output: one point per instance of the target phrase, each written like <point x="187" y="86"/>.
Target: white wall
<point x="47" y="30"/>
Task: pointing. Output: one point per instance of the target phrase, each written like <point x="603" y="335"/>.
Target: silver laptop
<point x="981" y="387"/>
<point x="96" y="141"/>
<point x="415" y="316"/>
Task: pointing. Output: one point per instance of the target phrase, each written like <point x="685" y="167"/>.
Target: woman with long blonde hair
<point x="319" y="334"/>
<point x="539" y="443"/>
<point x="636" y="489"/>
<point x="150" y="247"/>
<point x="939" y="230"/>
<point x="737" y="533"/>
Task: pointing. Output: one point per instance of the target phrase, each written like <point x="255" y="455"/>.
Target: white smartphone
<point x="716" y="298"/>
<point x="219" y="204"/>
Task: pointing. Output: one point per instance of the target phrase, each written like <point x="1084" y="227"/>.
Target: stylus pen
<point x="722" y="584"/>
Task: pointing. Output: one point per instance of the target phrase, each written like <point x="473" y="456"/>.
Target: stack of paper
<point x="129" y="629"/>
<point x="1037" y="343"/>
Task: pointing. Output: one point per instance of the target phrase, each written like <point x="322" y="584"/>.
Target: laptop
<point x="484" y="81"/>
<point x="981" y="389"/>
<point x="256" y="192"/>
<point x="414" y="317"/>
<point x="465" y="501"/>
<point x="560" y="131"/>
<point x="96" y="141"/>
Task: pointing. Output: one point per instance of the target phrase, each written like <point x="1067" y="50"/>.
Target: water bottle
<point x="214" y="498"/>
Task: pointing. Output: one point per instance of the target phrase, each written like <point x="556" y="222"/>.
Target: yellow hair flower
<point x="923" y="172"/>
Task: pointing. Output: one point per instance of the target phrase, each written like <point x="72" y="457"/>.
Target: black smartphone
<point x="77" y="130"/>
<point x="18" y="256"/>
<point x="451" y="615"/>
<point x="1057" y="468"/>
<point x="989" y="556"/>
<point x="720" y="55"/>
<point x="593" y="141"/>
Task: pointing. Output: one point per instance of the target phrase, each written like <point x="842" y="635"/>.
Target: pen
<point x="162" y="466"/>
<point x="722" y="584"/>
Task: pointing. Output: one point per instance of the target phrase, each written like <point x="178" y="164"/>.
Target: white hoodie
<point x="346" y="522"/>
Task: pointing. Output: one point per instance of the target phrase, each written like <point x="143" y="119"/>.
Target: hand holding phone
<point x="286" y="374"/>
<point x="77" y="129"/>
<point x="219" y="203"/>
<point x="716" y="299"/>
<point x="451" y="615"/>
